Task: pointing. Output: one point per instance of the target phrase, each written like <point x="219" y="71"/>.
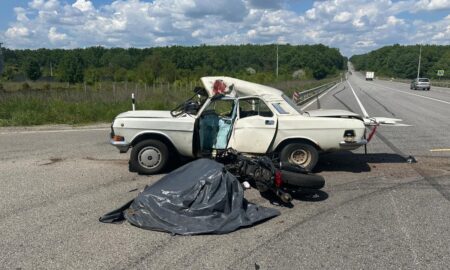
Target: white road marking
<point x="319" y="97"/>
<point x="366" y="115"/>
<point x="430" y="98"/>
<point x="53" y="131"/>
<point x="440" y="150"/>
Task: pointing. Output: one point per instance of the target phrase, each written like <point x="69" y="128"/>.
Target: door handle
<point x="270" y="122"/>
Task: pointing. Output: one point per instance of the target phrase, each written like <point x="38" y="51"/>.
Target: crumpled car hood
<point x="332" y="113"/>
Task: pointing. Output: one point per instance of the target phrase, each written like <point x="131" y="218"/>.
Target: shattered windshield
<point x="292" y="104"/>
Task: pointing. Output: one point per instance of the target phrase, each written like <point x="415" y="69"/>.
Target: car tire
<point x="302" y="154"/>
<point x="149" y="157"/>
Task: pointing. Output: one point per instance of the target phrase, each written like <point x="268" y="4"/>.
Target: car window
<point x="253" y="106"/>
<point x="223" y="107"/>
<point x="424" y="80"/>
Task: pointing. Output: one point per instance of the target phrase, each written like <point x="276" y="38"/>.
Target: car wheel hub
<point x="149" y="157"/>
<point x="300" y="157"/>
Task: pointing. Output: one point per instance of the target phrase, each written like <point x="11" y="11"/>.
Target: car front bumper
<point x="122" y="146"/>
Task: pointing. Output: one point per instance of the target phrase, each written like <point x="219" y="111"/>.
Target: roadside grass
<point x="87" y="104"/>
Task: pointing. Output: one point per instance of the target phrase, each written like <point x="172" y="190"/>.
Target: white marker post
<point x="133" y="102"/>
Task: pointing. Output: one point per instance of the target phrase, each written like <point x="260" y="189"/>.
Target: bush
<point x="26" y="86"/>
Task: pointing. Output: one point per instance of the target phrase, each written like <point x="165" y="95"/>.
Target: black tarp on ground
<point x="199" y="198"/>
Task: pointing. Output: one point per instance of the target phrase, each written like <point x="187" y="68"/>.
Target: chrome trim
<point x="356" y="144"/>
<point x="122" y="146"/>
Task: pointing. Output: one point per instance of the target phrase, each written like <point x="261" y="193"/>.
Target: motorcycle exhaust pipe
<point x="284" y="196"/>
<point x="302" y="180"/>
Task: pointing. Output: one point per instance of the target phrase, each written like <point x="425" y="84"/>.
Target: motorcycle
<point x="267" y="175"/>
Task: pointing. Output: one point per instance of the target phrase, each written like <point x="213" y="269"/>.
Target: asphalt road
<point x="376" y="211"/>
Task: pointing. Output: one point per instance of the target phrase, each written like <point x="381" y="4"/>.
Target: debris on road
<point x="201" y="197"/>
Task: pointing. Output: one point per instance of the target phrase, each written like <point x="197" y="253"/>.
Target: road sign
<point x="440" y="72"/>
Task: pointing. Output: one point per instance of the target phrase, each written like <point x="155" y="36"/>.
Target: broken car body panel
<point x="249" y="117"/>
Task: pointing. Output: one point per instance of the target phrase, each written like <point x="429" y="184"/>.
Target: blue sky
<point x="353" y="26"/>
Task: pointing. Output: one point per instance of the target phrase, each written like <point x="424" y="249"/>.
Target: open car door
<point x="254" y="128"/>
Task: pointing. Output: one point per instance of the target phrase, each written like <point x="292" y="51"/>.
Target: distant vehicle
<point x="370" y="75"/>
<point x="420" y="83"/>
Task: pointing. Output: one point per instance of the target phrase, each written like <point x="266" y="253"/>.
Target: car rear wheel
<point x="301" y="154"/>
<point x="149" y="157"/>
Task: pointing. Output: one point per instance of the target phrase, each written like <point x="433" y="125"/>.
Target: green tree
<point x="442" y="64"/>
<point x="71" y="68"/>
<point x="32" y="69"/>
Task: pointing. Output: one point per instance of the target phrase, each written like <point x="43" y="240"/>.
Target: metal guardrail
<point x="307" y="95"/>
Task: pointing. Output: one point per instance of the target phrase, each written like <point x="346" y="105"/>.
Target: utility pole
<point x="1" y="59"/>
<point x="420" y="56"/>
<point x="277" y="61"/>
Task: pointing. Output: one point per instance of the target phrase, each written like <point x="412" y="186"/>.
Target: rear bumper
<point x="352" y="145"/>
<point x="422" y="86"/>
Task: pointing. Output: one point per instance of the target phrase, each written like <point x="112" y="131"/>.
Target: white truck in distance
<point x="370" y="75"/>
<point x="230" y="113"/>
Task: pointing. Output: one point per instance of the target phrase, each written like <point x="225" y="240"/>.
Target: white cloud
<point x="342" y="17"/>
<point x="55" y="37"/>
<point x="21" y="14"/>
<point x="433" y="4"/>
<point x="83" y="5"/>
<point x="17" y="32"/>
<point x="355" y="26"/>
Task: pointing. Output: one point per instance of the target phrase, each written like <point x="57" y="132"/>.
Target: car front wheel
<point x="149" y="157"/>
<point x="301" y="154"/>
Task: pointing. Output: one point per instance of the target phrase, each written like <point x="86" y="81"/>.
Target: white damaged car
<point x="226" y="112"/>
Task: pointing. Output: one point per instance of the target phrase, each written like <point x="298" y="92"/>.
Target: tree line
<point x="402" y="61"/>
<point x="170" y="64"/>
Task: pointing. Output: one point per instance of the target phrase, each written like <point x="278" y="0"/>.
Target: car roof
<point x="240" y="88"/>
